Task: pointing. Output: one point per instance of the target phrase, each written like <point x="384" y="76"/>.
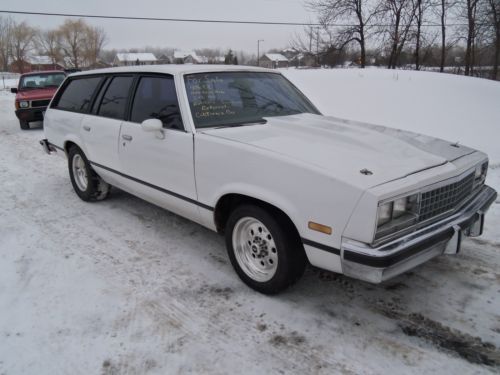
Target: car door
<point x="68" y="109"/>
<point x="101" y="128"/>
<point x="160" y="164"/>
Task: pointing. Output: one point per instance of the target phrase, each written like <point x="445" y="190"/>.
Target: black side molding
<point x="184" y="198"/>
<point x="320" y="246"/>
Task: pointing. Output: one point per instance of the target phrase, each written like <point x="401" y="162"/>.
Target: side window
<point x="77" y="94"/>
<point x="114" y="101"/>
<point x="155" y="97"/>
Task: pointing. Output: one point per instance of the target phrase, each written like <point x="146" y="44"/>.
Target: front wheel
<point x="86" y="183"/>
<point x="264" y="249"/>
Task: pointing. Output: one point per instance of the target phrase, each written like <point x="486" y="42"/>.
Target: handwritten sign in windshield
<point x="223" y="98"/>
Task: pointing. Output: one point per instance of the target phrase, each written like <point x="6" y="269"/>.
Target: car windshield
<point x="40" y="81"/>
<point x="238" y="98"/>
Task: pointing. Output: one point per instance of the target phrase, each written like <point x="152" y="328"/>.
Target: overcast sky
<point x="127" y="33"/>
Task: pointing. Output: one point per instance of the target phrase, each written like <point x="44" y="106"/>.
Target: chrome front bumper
<point x="377" y="264"/>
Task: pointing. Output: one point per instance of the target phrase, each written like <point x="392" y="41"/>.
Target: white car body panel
<point x="308" y="166"/>
<point x="100" y="137"/>
<point x="165" y="163"/>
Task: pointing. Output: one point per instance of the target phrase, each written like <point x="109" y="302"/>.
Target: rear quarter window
<point x="77" y="94"/>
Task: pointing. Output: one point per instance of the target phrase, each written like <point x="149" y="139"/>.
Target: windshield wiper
<point x="242" y="123"/>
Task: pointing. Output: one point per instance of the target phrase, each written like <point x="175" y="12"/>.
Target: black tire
<point x="97" y="189"/>
<point x="290" y="252"/>
<point x="24" y="125"/>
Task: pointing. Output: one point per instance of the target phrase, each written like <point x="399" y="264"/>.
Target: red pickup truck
<point x="34" y="93"/>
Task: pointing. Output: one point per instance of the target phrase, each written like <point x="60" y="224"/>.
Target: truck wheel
<point x="263" y="249"/>
<point x="86" y="183"/>
<point x="24" y="125"/>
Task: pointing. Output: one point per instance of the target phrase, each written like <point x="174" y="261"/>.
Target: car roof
<point x="175" y="69"/>
<point x="42" y="72"/>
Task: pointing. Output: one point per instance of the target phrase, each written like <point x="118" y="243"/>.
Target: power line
<point x="162" y="19"/>
<point x="194" y="20"/>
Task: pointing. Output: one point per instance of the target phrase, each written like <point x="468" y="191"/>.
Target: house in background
<point x="129" y="58"/>
<point x="189" y="57"/>
<point x="34" y="64"/>
<point x="164" y="59"/>
<point x="304" y="59"/>
<point x="217" y="60"/>
<point x="99" y="64"/>
<point x="273" y="61"/>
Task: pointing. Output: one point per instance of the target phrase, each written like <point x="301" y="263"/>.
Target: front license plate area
<point x="476" y="228"/>
<point x="454" y="244"/>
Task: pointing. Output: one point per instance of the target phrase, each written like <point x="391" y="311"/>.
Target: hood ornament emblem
<point x="366" y="172"/>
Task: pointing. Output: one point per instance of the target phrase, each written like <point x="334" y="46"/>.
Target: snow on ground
<point x="8" y="80"/>
<point x="122" y="286"/>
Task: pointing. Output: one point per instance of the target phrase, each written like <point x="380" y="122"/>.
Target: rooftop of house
<point x="131" y="57"/>
<point x="275" y="57"/>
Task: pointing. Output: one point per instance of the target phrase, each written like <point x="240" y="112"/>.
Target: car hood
<point x="344" y="148"/>
<point x="36" y="94"/>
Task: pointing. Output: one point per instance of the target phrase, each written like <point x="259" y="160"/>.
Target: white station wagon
<point x="243" y="152"/>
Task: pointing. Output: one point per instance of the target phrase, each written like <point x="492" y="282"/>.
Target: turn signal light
<point x="319" y="227"/>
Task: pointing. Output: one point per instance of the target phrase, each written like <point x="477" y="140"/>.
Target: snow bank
<point x="447" y="106"/>
<point x="7" y="83"/>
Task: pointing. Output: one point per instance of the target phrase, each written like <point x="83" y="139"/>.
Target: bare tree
<point x="23" y="38"/>
<point x="442" y="17"/>
<point x="6" y="25"/>
<point x="421" y="7"/>
<point x="355" y="14"/>
<point x="48" y="43"/>
<point x="493" y="19"/>
<point x="471" y="11"/>
<point x="95" y="40"/>
<point x="399" y="16"/>
<point x="73" y="34"/>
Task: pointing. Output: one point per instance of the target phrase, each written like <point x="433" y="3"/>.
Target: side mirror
<point x="153" y="125"/>
<point x="13" y="90"/>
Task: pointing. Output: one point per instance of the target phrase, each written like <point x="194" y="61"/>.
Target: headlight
<point x="24" y="104"/>
<point x="384" y="213"/>
<point x="396" y="215"/>
<point x="480" y="173"/>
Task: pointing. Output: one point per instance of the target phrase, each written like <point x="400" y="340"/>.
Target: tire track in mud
<point x="472" y="349"/>
<point x="414" y="324"/>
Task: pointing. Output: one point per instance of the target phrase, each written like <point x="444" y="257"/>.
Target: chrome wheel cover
<point x="255" y="249"/>
<point x="79" y="172"/>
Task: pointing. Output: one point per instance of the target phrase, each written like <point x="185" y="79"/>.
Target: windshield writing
<point x="235" y="98"/>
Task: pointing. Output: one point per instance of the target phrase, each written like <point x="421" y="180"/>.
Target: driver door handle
<point x="127" y="137"/>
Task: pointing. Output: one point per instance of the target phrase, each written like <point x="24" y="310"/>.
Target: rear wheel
<point x="264" y="249"/>
<point x="86" y="183"/>
<point x="24" y="125"/>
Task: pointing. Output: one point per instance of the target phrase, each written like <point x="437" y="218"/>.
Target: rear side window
<point x="77" y="94"/>
<point x="114" y="101"/>
<point x="156" y="98"/>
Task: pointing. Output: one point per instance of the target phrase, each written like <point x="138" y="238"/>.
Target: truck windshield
<point x="238" y="98"/>
<point x="41" y="81"/>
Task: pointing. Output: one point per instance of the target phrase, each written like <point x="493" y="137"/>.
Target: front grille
<point x="445" y="198"/>
<point x="40" y="103"/>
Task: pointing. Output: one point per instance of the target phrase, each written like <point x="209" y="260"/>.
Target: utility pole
<point x="258" y="51"/>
